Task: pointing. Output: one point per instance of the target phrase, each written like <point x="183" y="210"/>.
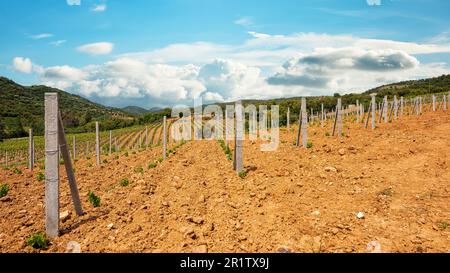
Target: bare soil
<point x="302" y="200"/>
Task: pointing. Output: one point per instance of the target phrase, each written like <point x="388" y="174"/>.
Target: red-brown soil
<point x="306" y="200"/>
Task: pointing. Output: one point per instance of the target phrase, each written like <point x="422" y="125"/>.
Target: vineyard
<point x="354" y="178"/>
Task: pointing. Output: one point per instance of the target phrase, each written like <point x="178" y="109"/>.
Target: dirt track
<point x="297" y="199"/>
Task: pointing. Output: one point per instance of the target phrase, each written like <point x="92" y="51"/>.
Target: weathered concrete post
<point x="146" y="136"/>
<point x="110" y="142"/>
<point x="401" y="105"/>
<point x="64" y="148"/>
<point x="74" y="144"/>
<point x="164" y="137"/>
<point x="395" y="107"/>
<point x="239" y="137"/>
<point x="304" y="124"/>
<point x="97" y="142"/>
<point x="385" y="109"/>
<point x="357" y="111"/>
<point x="322" y="117"/>
<point x="288" y="119"/>
<point x="339" y="117"/>
<point x="444" y="103"/>
<point x="227" y="129"/>
<point x="51" y="165"/>
<point x="374" y="106"/>
<point x="30" y="150"/>
<point x="434" y="103"/>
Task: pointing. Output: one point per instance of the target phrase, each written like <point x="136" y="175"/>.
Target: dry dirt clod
<point x="361" y="215"/>
<point x="64" y="216"/>
<point x="200" y="249"/>
<point x="73" y="247"/>
<point x="330" y="169"/>
<point x="284" y="249"/>
<point x="341" y="152"/>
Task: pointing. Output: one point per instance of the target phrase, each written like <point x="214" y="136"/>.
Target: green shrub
<point x="126" y="154"/>
<point x="17" y="171"/>
<point x="4" y="189"/>
<point x="94" y="199"/>
<point x="309" y="145"/>
<point x="38" y="241"/>
<point x="139" y="170"/>
<point x="105" y="161"/>
<point x="161" y="159"/>
<point x="124" y="182"/>
<point x="152" y="165"/>
<point x="40" y="177"/>
<point x="242" y="174"/>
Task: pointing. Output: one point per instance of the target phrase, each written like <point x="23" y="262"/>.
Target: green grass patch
<point x="40" y="177"/>
<point x="4" y="189"/>
<point x="124" y="182"/>
<point x="38" y="241"/>
<point x="94" y="200"/>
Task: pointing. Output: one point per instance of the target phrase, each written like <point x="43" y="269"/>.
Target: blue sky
<point x="163" y="52"/>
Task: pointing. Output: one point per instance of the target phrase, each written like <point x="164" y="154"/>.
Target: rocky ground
<point x="385" y="190"/>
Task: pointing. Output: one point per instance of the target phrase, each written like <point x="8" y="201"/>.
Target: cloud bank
<point x="265" y="66"/>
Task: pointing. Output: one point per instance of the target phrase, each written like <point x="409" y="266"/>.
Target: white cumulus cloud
<point x="22" y="64"/>
<point x="101" y="48"/>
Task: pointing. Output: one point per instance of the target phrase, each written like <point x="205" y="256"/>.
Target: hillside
<point x="22" y="107"/>
<point x="135" y="110"/>
<point x="414" y="88"/>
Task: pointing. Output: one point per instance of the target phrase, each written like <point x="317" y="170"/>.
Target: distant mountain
<point x="22" y="107"/>
<point x="135" y="110"/>
<point x="155" y="109"/>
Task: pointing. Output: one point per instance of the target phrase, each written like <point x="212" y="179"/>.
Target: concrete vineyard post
<point x="357" y="111"/>
<point x="322" y="117"/>
<point x="164" y="137"/>
<point x="239" y="136"/>
<point x="146" y="137"/>
<point x="110" y="142"/>
<point x="74" y="148"/>
<point x="227" y="130"/>
<point x="434" y="103"/>
<point x="339" y="117"/>
<point x="401" y="105"/>
<point x="395" y="107"/>
<point x="30" y="150"/>
<point x="374" y="105"/>
<point x="288" y="119"/>
<point x="300" y="120"/>
<point x="64" y="148"/>
<point x="444" y="103"/>
<point x="51" y="165"/>
<point x="97" y="142"/>
<point x="304" y="124"/>
<point x="385" y="109"/>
